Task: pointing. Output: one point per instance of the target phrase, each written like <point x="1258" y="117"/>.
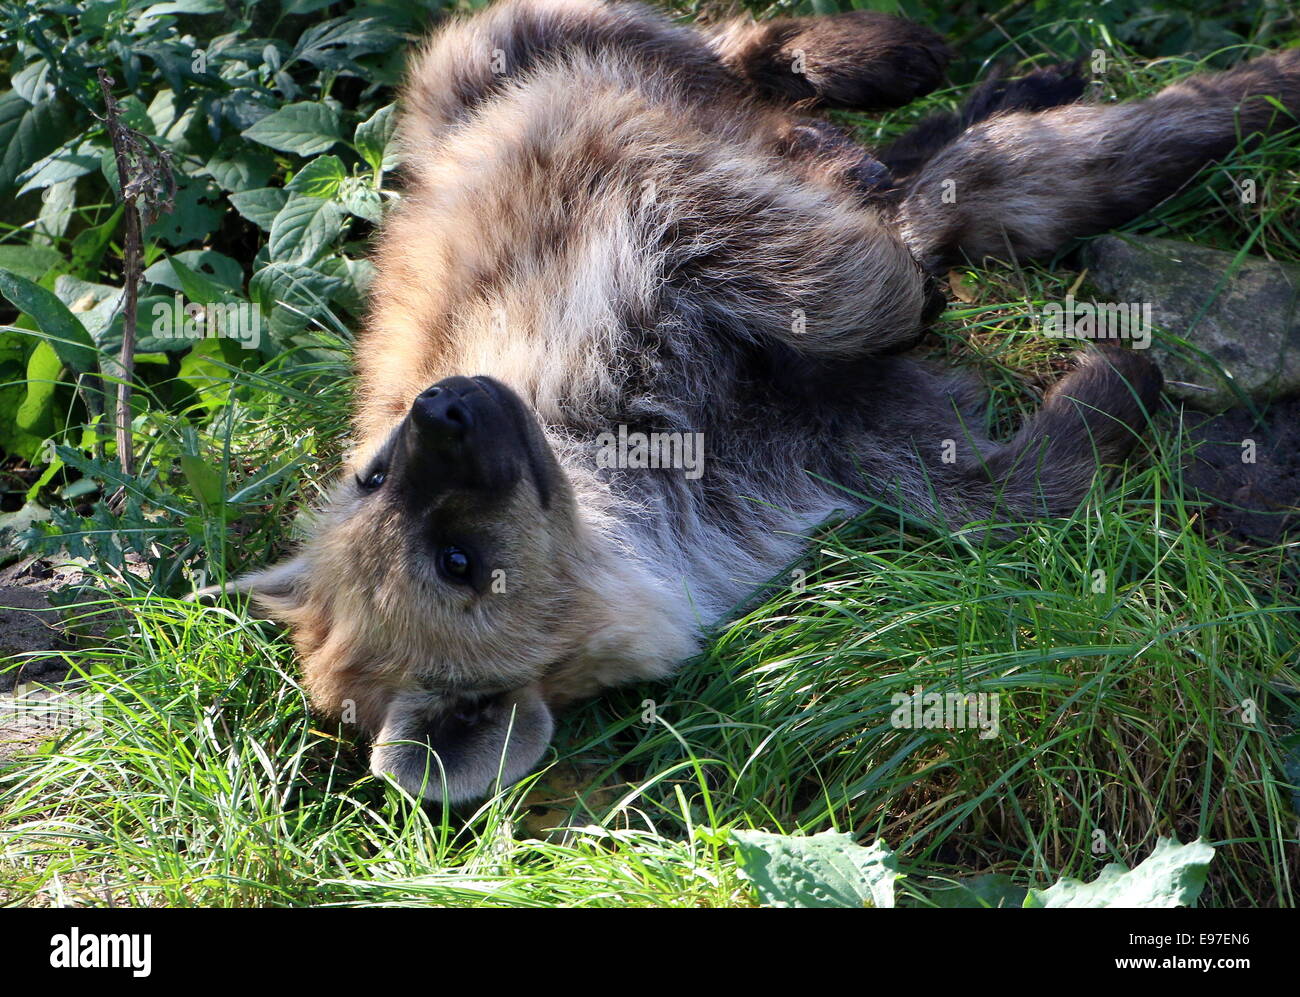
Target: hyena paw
<point x="860" y="59"/>
<point x="1141" y="377"/>
<point x="830" y="151"/>
<point x="1051" y="86"/>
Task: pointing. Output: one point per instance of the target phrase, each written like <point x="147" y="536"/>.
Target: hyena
<point x="611" y="221"/>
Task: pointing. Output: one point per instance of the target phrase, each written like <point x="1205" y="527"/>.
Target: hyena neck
<point x="702" y="542"/>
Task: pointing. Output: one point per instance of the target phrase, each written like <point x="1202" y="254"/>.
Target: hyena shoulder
<point x="592" y="215"/>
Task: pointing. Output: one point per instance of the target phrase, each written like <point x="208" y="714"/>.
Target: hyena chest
<point x="720" y="514"/>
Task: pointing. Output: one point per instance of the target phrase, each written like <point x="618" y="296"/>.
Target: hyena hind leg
<point x="1094" y="416"/>
<point x="1028" y="183"/>
<point x="860" y="59"/>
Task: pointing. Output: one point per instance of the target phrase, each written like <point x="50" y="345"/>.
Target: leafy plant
<point x="831" y="870"/>
<point x="275" y="123"/>
<point x="816" y="870"/>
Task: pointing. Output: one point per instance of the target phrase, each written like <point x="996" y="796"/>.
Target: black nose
<point x="464" y="433"/>
<point x="441" y="414"/>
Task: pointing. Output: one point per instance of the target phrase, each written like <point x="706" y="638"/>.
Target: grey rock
<point x="1234" y="330"/>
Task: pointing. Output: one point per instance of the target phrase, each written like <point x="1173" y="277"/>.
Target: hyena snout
<point x="457" y="747"/>
<point x="471" y="434"/>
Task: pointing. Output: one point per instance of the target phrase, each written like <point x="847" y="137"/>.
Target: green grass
<point x="1125" y="711"/>
<point x="210" y="783"/>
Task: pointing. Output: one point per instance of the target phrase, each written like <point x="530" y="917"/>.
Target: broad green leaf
<point x="60" y="327"/>
<point x="12" y="108"/>
<point x="53" y="465"/>
<point x="260" y="206"/>
<point x="1172" y="876"/>
<point x="193" y="217"/>
<point x="95" y="305"/>
<point x="69" y="161"/>
<point x="361" y="199"/>
<point x="84" y="486"/>
<point x="35" y="416"/>
<point x="819" y="870"/>
<point x="175" y="61"/>
<point x="183" y="7"/>
<point x="170" y="118"/>
<point x="319" y="178"/>
<point x="304" y="229"/>
<point x="31" y="262"/>
<point x="354" y="278"/>
<point x="337" y="43"/>
<point x="293" y="295"/>
<point x="236" y="166"/>
<point x="98" y="307"/>
<point x="206" y="369"/>
<point x="204" y="480"/>
<point x="16" y="349"/>
<point x="23" y="518"/>
<point x="135" y="114"/>
<point x="108" y="169"/>
<point x="993" y="890"/>
<point x="306" y="128"/>
<point x="57" y="203"/>
<point x="216" y="267"/>
<point x="90" y="244"/>
<point x="32" y="82"/>
<point x="374" y="139"/>
<point x="197" y="287"/>
<point x="28" y="132"/>
<point x="160" y="328"/>
<point x="294" y="285"/>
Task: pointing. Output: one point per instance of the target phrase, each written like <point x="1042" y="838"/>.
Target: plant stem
<point x="131" y="269"/>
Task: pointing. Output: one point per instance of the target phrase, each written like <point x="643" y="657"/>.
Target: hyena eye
<point x="455" y="564"/>
<point x="371" y="481"/>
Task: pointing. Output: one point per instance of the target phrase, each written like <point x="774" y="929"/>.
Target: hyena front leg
<point x="1050" y="86"/>
<point x="861" y="59"/>
<point x="1028" y="183"/>
<point x="838" y="157"/>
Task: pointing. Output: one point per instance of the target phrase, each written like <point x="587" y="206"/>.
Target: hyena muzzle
<point x="615" y="227"/>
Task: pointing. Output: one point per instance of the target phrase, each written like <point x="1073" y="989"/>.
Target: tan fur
<point x="623" y="229"/>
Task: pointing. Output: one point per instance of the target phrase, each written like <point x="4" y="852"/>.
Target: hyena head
<point x="451" y="593"/>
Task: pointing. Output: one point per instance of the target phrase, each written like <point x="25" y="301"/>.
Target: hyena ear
<point x="279" y="589"/>
<point x="442" y="750"/>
